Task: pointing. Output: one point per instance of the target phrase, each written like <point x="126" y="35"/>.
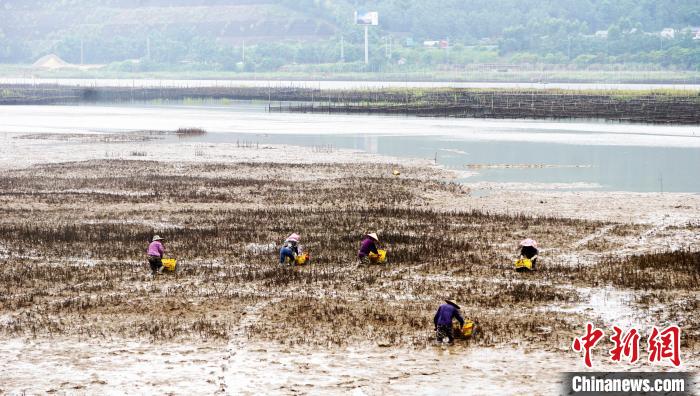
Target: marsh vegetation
<point x="72" y="240"/>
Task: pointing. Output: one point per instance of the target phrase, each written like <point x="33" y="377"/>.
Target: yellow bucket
<point x="169" y="264"/>
<point x="302" y="259"/>
<point x="468" y="328"/>
<point x="378" y="258"/>
<point x="524" y="263"/>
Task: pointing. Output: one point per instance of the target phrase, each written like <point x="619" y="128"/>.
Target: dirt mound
<point x="51" y="61"/>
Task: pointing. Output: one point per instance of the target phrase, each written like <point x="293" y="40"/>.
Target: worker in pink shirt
<point x="155" y="254"/>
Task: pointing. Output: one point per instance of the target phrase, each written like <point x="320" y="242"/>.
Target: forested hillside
<point x="283" y="33"/>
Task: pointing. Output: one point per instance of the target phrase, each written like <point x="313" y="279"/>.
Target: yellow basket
<point x="302" y="259"/>
<point x="169" y="264"/>
<point x="378" y="258"/>
<point x="468" y="328"/>
<point x="524" y="263"/>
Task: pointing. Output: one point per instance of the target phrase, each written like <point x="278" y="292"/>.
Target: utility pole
<point x="391" y="46"/>
<point x="447" y="50"/>
<point x="243" y="52"/>
<point x="607" y="46"/>
<point x="366" y="45"/>
<point x="148" y="48"/>
<point x="342" y="49"/>
<point x="367" y="19"/>
<point x="387" y="47"/>
<point x="81" y="52"/>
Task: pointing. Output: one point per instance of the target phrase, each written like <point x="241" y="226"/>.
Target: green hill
<point x="211" y="33"/>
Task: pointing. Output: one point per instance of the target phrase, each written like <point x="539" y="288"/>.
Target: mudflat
<point x="79" y="311"/>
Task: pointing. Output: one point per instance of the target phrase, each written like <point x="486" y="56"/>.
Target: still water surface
<point x="587" y="154"/>
<point x="164" y="83"/>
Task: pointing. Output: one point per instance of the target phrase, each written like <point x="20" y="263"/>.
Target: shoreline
<point x="544" y="199"/>
<point x="645" y="77"/>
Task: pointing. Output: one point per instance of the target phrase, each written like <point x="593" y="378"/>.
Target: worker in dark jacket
<point x="368" y="245"/>
<point x="443" y="321"/>
<point x="528" y="249"/>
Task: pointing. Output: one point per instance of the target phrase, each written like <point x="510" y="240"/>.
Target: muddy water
<point x="573" y="154"/>
<point x="113" y="367"/>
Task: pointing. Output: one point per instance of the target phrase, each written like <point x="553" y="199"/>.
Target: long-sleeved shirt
<point x="366" y="247"/>
<point x="528" y="251"/>
<point x="156" y="249"/>
<point x="296" y="248"/>
<point x="445" y="314"/>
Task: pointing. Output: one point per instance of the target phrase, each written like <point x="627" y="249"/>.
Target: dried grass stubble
<point x="433" y="254"/>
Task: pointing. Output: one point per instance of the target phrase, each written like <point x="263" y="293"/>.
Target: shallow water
<point x="578" y="154"/>
<point x="105" y="82"/>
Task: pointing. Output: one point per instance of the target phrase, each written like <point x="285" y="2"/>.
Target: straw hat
<point x="374" y="236"/>
<point x="453" y="303"/>
<point x="294" y="237"/>
<point x="529" y="242"/>
<point x="156" y="238"/>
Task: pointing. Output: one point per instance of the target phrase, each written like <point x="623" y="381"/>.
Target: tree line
<point x="579" y="32"/>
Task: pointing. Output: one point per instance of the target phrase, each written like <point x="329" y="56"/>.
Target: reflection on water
<point x="608" y="156"/>
<point x="612" y="168"/>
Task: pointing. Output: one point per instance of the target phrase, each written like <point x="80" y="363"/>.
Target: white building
<point x="668" y="33"/>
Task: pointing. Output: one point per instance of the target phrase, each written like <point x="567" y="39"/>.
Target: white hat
<point x="294" y="237"/>
<point x="529" y="242"/>
<point x="374" y="236"/>
<point x="453" y="303"/>
<point x="156" y="238"/>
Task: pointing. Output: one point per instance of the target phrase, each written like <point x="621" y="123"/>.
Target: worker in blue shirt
<point x="443" y="321"/>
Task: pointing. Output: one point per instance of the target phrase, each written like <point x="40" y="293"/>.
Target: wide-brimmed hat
<point x="529" y="242"/>
<point x="294" y="237"/>
<point x="156" y="238"/>
<point x="453" y="303"/>
<point x="374" y="236"/>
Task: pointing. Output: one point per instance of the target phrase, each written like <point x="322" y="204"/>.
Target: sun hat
<point x="156" y="238"/>
<point x="294" y="237"/>
<point x="529" y="242"/>
<point x="451" y="302"/>
<point x="374" y="236"/>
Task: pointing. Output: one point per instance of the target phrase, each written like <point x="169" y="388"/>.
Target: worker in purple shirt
<point x="155" y="254"/>
<point x="443" y="321"/>
<point x="369" y="244"/>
